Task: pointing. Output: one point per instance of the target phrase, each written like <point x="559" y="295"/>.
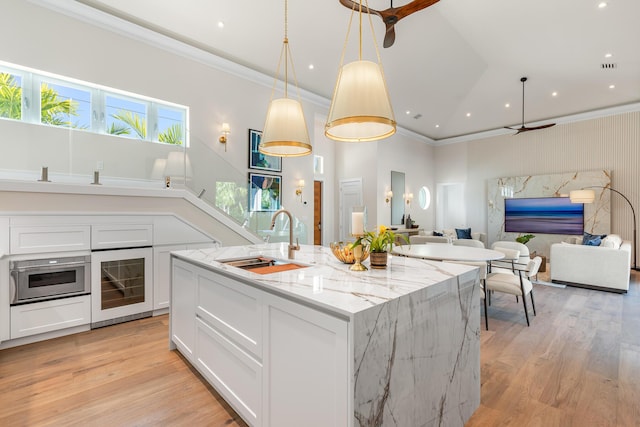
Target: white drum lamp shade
<point x="360" y="109"/>
<point x="285" y="130"/>
<point x="582" y="196"/>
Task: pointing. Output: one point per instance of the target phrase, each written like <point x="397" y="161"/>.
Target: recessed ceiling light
<point x="602" y="4"/>
<point x="220" y="24"/>
<point x="612" y="86"/>
<point x="407" y="112"/>
<point x="507" y="105"/>
<point x="608" y="55"/>
<point x="437" y="126"/>
<point x="311" y="67"/>
<point x="468" y="114"/>
<point x="554" y="93"/>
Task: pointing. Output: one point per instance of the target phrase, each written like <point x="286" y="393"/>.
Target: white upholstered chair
<point x="506" y="264"/>
<point x="468" y="242"/>
<point x="515" y="284"/>
<point x="522" y="248"/>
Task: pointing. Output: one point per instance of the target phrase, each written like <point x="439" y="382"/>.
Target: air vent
<point x="610" y="65"/>
<point x="417" y="116"/>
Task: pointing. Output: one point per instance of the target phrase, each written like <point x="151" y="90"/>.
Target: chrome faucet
<point x="292" y="247"/>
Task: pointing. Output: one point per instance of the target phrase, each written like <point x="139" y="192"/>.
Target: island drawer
<point x="233" y="309"/>
<point x="233" y="372"/>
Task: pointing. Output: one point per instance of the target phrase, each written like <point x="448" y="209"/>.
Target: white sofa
<point x="450" y="236"/>
<point x="595" y="267"/>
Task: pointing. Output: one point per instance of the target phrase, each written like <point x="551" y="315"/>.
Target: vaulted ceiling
<point x="454" y="66"/>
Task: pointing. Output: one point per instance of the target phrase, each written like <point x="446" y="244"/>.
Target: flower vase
<point x="378" y="259"/>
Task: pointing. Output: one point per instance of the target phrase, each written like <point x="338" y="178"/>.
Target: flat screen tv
<point x="545" y="215"/>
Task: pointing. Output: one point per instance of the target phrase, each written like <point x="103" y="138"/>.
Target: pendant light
<point x="360" y="109"/>
<point x="285" y="131"/>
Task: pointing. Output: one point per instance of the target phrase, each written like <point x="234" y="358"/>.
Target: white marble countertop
<point x="328" y="283"/>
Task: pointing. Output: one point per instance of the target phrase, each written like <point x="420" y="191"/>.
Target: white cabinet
<point x="307" y="383"/>
<point x="116" y="236"/>
<point x="233" y="309"/>
<point x="276" y="362"/>
<point x="183" y="307"/>
<point x="5" y="313"/>
<point x="162" y="274"/>
<point x="162" y="271"/>
<point x="47" y="316"/>
<point x="232" y="371"/>
<point x="51" y="238"/>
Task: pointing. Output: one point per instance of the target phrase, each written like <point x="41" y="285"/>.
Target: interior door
<point x="317" y="212"/>
<point x="350" y="196"/>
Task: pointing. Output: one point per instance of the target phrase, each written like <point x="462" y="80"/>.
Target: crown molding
<point x="587" y="115"/>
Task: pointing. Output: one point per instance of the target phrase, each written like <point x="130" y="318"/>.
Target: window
<point x="74" y="104"/>
<point x="126" y="117"/>
<point x="171" y="125"/>
<point x="64" y="106"/>
<point x="10" y="96"/>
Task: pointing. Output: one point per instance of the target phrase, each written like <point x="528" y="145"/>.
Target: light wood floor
<point x="577" y="365"/>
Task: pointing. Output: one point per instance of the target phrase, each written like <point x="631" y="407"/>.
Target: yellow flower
<point x="382" y="229"/>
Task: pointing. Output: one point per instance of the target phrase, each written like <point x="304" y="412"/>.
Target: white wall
<point x="374" y="161"/>
<point x="606" y="143"/>
<point x="86" y="52"/>
<point x="44" y="40"/>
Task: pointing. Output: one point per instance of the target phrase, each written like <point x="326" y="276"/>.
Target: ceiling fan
<point x="392" y="15"/>
<point x="524" y="128"/>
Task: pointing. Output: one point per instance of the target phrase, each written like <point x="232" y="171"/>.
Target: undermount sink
<point x="263" y="265"/>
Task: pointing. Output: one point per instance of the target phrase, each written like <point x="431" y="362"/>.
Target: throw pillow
<point x="463" y="233"/>
<point x="592" y="239"/>
<point x="450" y="232"/>
<point x="612" y="241"/>
<point x="435" y="233"/>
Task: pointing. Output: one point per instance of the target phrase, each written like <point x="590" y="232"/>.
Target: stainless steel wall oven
<point x="50" y="278"/>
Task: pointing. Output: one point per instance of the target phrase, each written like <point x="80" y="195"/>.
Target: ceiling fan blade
<point x="541" y="126"/>
<point x="524" y="128"/>
<point x="527" y="129"/>
<point x="408" y="9"/>
<point x="352" y="4"/>
<point x="389" y="36"/>
<point x="392" y="15"/>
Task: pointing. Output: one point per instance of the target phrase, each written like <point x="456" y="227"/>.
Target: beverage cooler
<point x="121" y="285"/>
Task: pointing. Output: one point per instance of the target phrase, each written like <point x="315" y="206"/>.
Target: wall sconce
<point x="226" y="130"/>
<point x="388" y="196"/>
<point x="299" y="189"/>
<point x="408" y="198"/>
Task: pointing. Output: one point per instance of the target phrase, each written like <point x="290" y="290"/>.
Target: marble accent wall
<point x="597" y="215"/>
<point x="417" y="357"/>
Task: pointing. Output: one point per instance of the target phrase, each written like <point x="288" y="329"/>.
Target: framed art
<point x="264" y="193"/>
<point x="257" y="160"/>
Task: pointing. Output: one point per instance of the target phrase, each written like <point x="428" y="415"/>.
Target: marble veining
<point x="597" y="215"/>
<point x="414" y="336"/>
<point x="327" y="282"/>
<point x="417" y="358"/>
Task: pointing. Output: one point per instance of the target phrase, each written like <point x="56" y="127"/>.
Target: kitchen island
<point x="316" y="344"/>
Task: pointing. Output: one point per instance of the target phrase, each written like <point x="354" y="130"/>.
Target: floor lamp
<point x="588" y="196"/>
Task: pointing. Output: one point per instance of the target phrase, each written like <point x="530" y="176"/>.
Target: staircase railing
<point x="250" y="204"/>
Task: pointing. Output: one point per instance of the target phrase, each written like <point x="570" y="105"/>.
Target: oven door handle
<point x="13" y="286"/>
<point x="49" y="266"/>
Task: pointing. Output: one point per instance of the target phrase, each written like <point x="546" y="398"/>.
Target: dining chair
<point x="468" y="242"/>
<point x="509" y="244"/>
<point x="507" y="264"/>
<point x="515" y="284"/>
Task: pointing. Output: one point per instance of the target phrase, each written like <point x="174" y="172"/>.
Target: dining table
<point x="446" y="252"/>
